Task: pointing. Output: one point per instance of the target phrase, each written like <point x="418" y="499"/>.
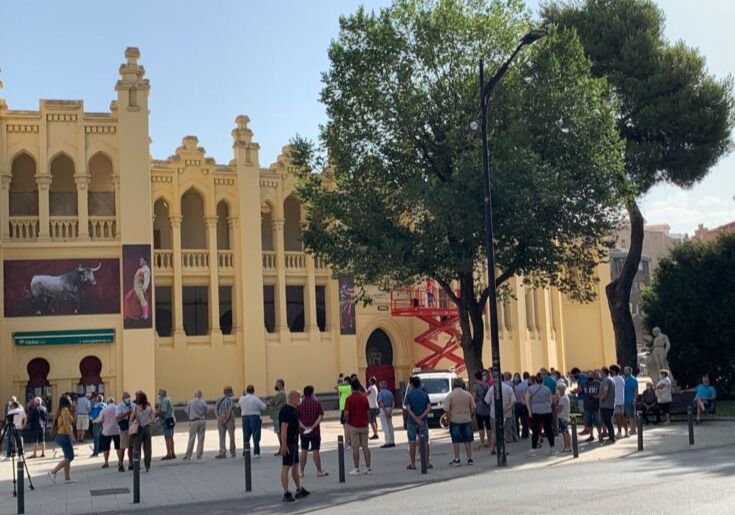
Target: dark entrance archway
<point x="38" y="384"/>
<point x="90" y="369"/>
<point x="379" y="358"/>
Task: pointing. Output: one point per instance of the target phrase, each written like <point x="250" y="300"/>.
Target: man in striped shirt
<point x="226" y="422"/>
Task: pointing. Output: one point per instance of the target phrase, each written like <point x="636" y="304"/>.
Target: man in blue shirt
<point x="417" y="406"/>
<point x="386" y="403"/>
<point x="631" y="396"/>
<point x="704" y="397"/>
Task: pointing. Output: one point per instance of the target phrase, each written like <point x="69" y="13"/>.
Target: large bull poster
<point x="347" y="323"/>
<point x="48" y="287"/>
<point x="137" y="285"/>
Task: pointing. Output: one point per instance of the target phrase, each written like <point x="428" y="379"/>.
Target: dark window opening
<point x="196" y="310"/>
<point x="321" y="308"/>
<point x="269" y="308"/>
<point x="164" y="309"/>
<point x="295" y="308"/>
<point x="225" y="309"/>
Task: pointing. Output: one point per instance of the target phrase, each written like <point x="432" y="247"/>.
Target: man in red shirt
<point x="310" y="416"/>
<point x="356" y="415"/>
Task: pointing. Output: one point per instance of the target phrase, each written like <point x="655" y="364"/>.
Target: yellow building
<point x="87" y="216"/>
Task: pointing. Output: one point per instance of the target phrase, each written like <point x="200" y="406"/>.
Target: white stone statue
<point x="658" y="357"/>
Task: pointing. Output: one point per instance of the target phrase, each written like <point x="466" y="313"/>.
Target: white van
<point x="438" y="384"/>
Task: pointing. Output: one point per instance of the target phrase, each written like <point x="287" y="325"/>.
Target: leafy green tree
<point x="692" y="299"/>
<point x="674" y="118"/>
<point x="402" y="196"/>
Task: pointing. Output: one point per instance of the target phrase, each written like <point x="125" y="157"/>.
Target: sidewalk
<point x="176" y="482"/>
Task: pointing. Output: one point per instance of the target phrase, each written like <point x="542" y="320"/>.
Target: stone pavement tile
<point x="79" y="507"/>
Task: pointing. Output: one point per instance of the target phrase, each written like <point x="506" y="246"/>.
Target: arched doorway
<point x="379" y="358"/>
<point x="38" y="384"/>
<point x="90" y="369"/>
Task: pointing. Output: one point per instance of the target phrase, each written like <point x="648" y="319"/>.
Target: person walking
<point x="619" y="409"/>
<point x="251" y="408"/>
<point x="84" y="406"/>
<point x="276" y="404"/>
<point x="167" y="421"/>
<point x="506" y="391"/>
<point x="372" y="397"/>
<point x="607" y="403"/>
<point x="482" y="410"/>
<point x="140" y="426"/>
<point x="538" y="402"/>
<point x="288" y="417"/>
<point x="224" y="408"/>
<point x="356" y="415"/>
<point x="663" y="396"/>
<point x="417" y="406"/>
<point x="110" y="434"/>
<point x="98" y="404"/>
<point x="124" y="413"/>
<point x="64" y="430"/>
<point x="196" y="411"/>
<point x="311" y="414"/>
<point x="37" y="422"/>
<point x="386" y="404"/>
<point x="459" y="406"/>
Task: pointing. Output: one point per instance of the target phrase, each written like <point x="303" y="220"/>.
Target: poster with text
<point x="137" y="280"/>
<point x="47" y="287"/>
<point x="346" y="305"/>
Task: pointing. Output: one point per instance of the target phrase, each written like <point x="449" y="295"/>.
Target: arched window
<point x="38" y="369"/>
<point x="90" y="369"/>
<point x="266" y="228"/>
<point x="63" y="191"/>
<point x="292" y="226"/>
<point x="23" y="188"/>
<point x="101" y="192"/>
<point x="378" y="350"/>
<point x="193" y="233"/>
<point x="161" y="225"/>
<point x="223" y="228"/>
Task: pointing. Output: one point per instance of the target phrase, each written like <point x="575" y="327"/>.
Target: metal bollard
<point x="341" y="458"/>
<point x="575" y="441"/>
<point x="690" y="420"/>
<point x="248" y="468"/>
<point x="422" y="454"/>
<point x="136" y="476"/>
<point x="21" y="487"/>
<point x="639" y="423"/>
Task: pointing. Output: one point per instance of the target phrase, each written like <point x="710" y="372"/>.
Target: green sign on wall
<point x="82" y="336"/>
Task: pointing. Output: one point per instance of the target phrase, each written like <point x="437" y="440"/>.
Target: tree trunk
<point x="618" y="293"/>
<point x="471" y="324"/>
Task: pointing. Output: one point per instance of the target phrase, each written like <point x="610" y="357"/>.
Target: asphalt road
<point x="697" y="481"/>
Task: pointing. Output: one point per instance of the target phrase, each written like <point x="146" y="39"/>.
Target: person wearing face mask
<point x="124" y="410"/>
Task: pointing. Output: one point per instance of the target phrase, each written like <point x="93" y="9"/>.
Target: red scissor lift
<point x="431" y="305"/>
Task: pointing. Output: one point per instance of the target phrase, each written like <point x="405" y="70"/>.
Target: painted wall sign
<point x="80" y="336"/>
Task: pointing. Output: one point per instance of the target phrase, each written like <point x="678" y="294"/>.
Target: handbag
<point x="133" y="428"/>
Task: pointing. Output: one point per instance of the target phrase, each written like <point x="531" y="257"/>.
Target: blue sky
<point x="210" y="61"/>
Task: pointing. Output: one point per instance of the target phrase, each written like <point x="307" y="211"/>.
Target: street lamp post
<point x="485" y="91"/>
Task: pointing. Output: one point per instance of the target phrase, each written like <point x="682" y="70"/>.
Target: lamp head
<point x="533" y="36"/>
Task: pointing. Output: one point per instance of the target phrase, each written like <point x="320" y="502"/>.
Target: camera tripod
<point x="16" y="446"/>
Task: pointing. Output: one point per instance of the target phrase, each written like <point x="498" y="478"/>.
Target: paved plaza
<point x="178" y="482"/>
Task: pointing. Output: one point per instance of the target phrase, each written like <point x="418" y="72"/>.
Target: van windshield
<point x="435" y="385"/>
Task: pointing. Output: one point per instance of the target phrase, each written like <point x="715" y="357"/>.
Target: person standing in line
<point x="251" y="408"/>
<point x="167" y="421"/>
<point x="344" y="390"/>
<point x="619" y="409"/>
<point x="124" y="412"/>
<point x="417" y="406"/>
<point x="592" y="406"/>
<point x="511" y="432"/>
<point x="64" y="430"/>
<point x="276" y="404"/>
<point x="110" y="434"/>
<point x="520" y="409"/>
<point x="98" y="404"/>
<point x="224" y="408"/>
<point x="549" y="380"/>
<point x="38" y="420"/>
<point x="482" y="410"/>
<point x="538" y="402"/>
<point x="288" y="417"/>
<point x="564" y="408"/>
<point x="311" y="414"/>
<point x="356" y="414"/>
<point x="83" y="409"/>
<point x="663" y="396"/>
<point x="141" y="420"/>
<point x="372" y="397"/>
<point x="631" y="397"/>
<point x="386" y="403"/>
<point x="506" y="391"/>
<point x="196" y="411"/>
<point x="459" y="406"/>
<point x="581" y="380"/>
<point x="607" y="403"/>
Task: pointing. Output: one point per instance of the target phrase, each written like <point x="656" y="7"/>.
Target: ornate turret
<point x="3" y="105"/>
<point x="246" y="151"/>
<point x="132" y="87"/>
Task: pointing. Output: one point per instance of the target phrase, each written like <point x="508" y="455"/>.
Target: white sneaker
<point x="69" y="481"/>
<point x="368" y="471"/>
<point x="52" y="477"/>
<point x="355" y="472"/>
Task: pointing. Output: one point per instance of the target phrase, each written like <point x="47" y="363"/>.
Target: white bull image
<point x="47" y="289"/>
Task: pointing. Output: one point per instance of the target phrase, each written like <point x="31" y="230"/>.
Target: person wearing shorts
<point x="288" y="417"/>
<point x="64" y="428"/>
<point x="417" y="406"/>
<point x="110" y="434"/>
<point x="356" y="415"/>
<point x="84" y="406"/>
<point x="374" y="411"/>
<point x="311" y="414"/>
<point x="460" y="409"/>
